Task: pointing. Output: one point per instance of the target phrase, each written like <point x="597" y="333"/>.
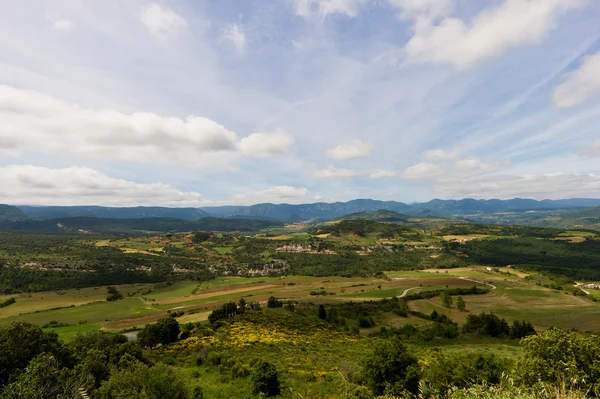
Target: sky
<point x="189" y="103"/>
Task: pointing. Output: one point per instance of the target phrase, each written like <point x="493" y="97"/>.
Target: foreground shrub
<point x="559" y="357"/>
<point x="391" y="369"/>
<point x="264" y="379"/>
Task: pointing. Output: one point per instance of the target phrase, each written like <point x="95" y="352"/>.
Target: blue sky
<point x="195" y="103"/>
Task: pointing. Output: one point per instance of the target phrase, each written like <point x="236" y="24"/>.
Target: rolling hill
<point x="90" y="225"/>
<point x="139" y="212"/>
<point x="10" y="213"/>
<point x="380" y="215"/>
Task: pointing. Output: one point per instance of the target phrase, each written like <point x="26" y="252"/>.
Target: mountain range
<point x="293" y="213"/>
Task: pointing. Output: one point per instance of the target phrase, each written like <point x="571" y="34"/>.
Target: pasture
<point x="511" y="296"/>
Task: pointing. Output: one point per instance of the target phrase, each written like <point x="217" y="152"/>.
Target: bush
<point x="273" y="302"/>
<point x="113" y="294"/>
<point x="164" y="332"/>
<point x="487" y="324"/>
<point x="265" y="380"/>
<point x="322" y="312"/>
<point x="559" y="357"/>
<point x="9" y="301"/>
<point x="392" y="369"/>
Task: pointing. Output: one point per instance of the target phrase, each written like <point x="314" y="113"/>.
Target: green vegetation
<point x="353" y="309"/>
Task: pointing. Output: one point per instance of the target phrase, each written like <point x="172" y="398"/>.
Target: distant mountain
<point x="469" y="206"/>
<point x="91" y="225"/>
<point x="466" y="208"/>
<point x="140" y="212"/>
<point x="319" y="210"/>
<point x="10" y="213"/>
<point x="380" y="215"/>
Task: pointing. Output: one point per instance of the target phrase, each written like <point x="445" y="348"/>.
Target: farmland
<point x="313" y="301"/>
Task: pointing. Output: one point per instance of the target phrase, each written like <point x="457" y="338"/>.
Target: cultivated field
<point x="511" y="295"/>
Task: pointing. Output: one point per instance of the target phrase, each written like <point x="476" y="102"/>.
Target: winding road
<point x="406" y="291"/>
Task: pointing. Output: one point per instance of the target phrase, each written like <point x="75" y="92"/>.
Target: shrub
<point x="265" y="380"/>
<point x="392" y="369"/>
<point x="273" y="302"/>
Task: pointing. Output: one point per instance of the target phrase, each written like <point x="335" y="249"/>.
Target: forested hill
<point x="434" y="208"/>
<point x="87" y="225"/>
<point x="380" y="215"/>
<point x="468" y="208"/>
<point x="139" y="212"/>
<point x="10" y="213"/>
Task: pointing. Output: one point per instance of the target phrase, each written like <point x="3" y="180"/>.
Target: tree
<point x="21" y="342"/>
<point x="461" y="304"/>
<point x="487" y="324"/>
<point x="264" y="379"/>
<point x="521" y="329"/>
<point x="391" y="369"/>
<point x="113" y="294"/>
<point x="273" y="302"/>
<point x="200" y="236"/>
<point x="242" y="306"/>
<point x="559" y="357"/>
<point x="164" y="332"/>
<point x="43" y="378"/>
<point x="137" y="380"/>
<point x="322" y="312"/>
<point x="446" y="299"/>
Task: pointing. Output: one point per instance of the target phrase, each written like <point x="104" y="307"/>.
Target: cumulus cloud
<point x="275" y="194"/>
<point x="34" y="185"/>
<point x="382" y="174"/>
<point x="235" y="34"/>
<point x="473" y="177"/>
<point x="439" y="38"/>
<point x="439" y="155"/>
<point x="331" y="172"/>
<point x="264" y="144"/>
<point x="593" y="150"/>
<point x="351" y="150"/>
<point x="579" y="85"/>
<point x="161" y="21"/>
<point x="36" y="123"/>
<point x="452" y="168"/>
<point x="322" y="8"/>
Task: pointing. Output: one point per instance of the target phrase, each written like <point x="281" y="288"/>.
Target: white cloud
<point x="322" y="8"/>
<point x="450" y="168"/>
<point x="580" y="85"/>
<point x="331" y="172"/>
<point x="264" y="144"/>
<point x="275" y="194"/>
<point x="33" y="185"/>
<point x="382" y="174"/>
<point x="493" y="31"/>
<point x="36" y="123"/>
<point x="161" y="21"/>
<point x="472" y="177"/>
<point x="593" y="150"/>
<point x="439" y="155"/>
<point x="351" y="150"/>
<point x="62" y="25"/>
<point x="235" y="34"/>
<point x="426" y="8"/>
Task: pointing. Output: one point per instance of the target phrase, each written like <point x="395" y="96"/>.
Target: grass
<point x="69" y="332"/>
<point x="176" y="290"/>
<point x="223" y="250"/>
<point x="514" y="299"/>
<point x="40" y="301"/>
<point x="92" y="313"/>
